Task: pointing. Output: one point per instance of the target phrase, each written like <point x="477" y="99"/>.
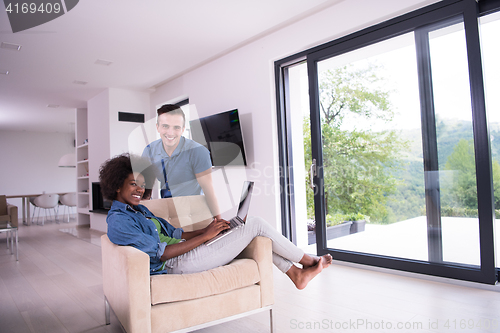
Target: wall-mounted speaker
<point x="131" y="117"/>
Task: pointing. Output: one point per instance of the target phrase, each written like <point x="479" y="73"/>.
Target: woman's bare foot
<point x="327" y="260"/>
<point x="302" y="276"/>
<point x="309" y="261"/>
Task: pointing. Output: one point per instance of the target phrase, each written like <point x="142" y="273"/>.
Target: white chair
<point x="32" y="201"/>
<point x="46" y="201"/>
<point x="68" y="200"/>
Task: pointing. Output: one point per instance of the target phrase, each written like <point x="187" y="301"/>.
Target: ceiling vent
<point x="80" y="82"/>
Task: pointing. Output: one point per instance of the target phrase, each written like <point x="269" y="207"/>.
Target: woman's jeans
<point x="223" y="251"/>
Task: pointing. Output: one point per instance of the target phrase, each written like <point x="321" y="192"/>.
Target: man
<point x="182" y="165"/>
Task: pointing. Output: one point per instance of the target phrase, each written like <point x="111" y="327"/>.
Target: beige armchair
<point x="9" y="223"/>
<point x="185" y="302"/>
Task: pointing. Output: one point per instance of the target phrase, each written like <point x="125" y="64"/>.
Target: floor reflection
<point x="84" y="233"/>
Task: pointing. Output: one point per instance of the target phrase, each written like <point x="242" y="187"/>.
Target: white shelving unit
<point x="83" y="190"/>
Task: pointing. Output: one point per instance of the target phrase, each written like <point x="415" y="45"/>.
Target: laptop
<point x="241" y="216"/>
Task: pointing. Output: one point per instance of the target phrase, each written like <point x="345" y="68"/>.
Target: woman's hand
<point x="215" y="227"/>
<point x="195" y="238"/>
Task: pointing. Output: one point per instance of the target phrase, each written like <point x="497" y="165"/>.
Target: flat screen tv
<point x="221" y="134"/>
<point x="99" y="204"/>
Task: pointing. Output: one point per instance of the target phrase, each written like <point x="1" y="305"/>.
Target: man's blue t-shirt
<point x="188" y="159"/>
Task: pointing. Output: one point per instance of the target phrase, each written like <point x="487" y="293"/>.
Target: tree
<point x="345" y="91"/>
<point x="463" y="191"/>
<point x="356" y="162"/>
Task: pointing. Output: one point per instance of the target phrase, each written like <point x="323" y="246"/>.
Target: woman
<point x="172" y="250"/>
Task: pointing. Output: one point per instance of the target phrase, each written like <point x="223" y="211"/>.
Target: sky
<point x="397" y="57"/>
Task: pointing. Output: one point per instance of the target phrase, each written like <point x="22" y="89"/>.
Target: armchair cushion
<point x="13" y="215"/>
<point x="203" y="310"/>
<point x="181" y="287"/>
<point x="4" y="219"/>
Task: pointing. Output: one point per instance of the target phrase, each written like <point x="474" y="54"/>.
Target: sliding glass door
<point x="391" y="161"/>
<point x="371" y="158"/>
<point x="400" y="171"/>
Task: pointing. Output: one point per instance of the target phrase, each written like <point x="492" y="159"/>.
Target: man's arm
<point x="204" y="178"/>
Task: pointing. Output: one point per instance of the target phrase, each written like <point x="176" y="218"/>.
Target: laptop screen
<point x="246" y="194"/>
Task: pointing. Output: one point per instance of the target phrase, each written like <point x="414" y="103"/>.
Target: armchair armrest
<point x="126" y="284"/>
<point x="260" y="249"/>
<point x="12" y="211"/>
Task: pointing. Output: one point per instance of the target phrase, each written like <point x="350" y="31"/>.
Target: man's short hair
<point x="172" y="109"/>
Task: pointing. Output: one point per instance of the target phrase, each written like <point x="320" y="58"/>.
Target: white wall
<point x="124" y="101"/>
<point x="98" y="132"/>
<point x="29" y="164"/>
<point x="109" y="137"/>
<point x="244" y="79"/>
<point x="99" y="146"/>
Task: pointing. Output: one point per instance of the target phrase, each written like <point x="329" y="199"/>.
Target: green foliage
<point x="345" y="91"/>
<point x="449" y="133"/>
<point x="461" y="212"/>
<point x="357" y="163"/>
<point x="458" y="211"/>
<point x="463" y="191"/>
<point x="337" y="219"/>
<point x="380" y="173"/>
<point x="496" y="182"/>
<point x="409" y="197"/>
<point x="457" y="176"/>
<point x="462" y="194"/>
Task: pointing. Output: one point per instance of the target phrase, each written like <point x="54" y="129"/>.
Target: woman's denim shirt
<point x="133" y="227"/>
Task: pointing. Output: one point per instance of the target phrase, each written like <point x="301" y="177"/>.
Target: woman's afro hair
<point x="114" y="172"/>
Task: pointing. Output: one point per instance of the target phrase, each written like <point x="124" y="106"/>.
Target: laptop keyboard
<point x="233" y="223"/>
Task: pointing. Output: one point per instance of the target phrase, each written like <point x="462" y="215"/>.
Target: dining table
<point x="26" y="204"/>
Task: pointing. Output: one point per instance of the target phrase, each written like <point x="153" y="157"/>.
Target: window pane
<point x="300" y="142"/>
<point x="372" y="150"/>
<point x="187" y="130"/>
<point x="373" y="158"/>
<point x="490" y="30"/>
<point x="457" y="171"/>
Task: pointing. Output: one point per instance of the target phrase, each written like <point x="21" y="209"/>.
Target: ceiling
<point x="148" y="43"/>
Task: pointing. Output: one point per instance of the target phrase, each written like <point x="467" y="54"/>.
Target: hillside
<point x="409" y="199"/>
